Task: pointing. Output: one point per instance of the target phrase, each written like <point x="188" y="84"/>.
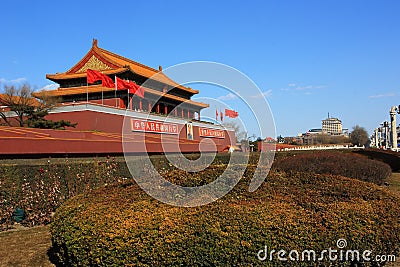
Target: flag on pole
<point x="222" y="115"/>
<point x="132" y="87"/>
<point x="122" y="84"/>
<point x="115" y="92"/>
<point x="139" y="91"/>
<point x="231" y="113"/>
<point x="93" y="76"/>
<point x="216" y="114"/>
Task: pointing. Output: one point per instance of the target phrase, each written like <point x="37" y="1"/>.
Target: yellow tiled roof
<point x="99" y="88"/>
<point x="114" y="64"/>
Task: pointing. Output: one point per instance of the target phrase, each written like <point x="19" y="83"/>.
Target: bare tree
<point x="19" y="106"/>
<point x="17" y="100"/>
<point x="359" y="136"/>
<point x="239" y="132"/>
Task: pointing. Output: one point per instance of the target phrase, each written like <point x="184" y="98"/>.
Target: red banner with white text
<point x="206" y="132"/>
<point x="154" y="126"/>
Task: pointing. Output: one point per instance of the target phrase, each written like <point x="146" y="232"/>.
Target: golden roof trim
<point x="116" y="61"/>
<point x="98" y="88"/>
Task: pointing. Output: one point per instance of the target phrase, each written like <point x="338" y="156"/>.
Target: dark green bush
<point x="120" y="225"/>
<point x="337" y="163"/>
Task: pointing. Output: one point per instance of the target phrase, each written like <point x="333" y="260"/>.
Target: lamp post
<point x="393" y="136"/>
<point x="386" y="136"/>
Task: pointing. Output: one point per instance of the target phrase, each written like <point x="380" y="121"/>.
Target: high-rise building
<point x="332" y="126"/>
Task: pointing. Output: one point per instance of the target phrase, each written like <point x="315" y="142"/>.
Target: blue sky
<point x="308" y="57"/>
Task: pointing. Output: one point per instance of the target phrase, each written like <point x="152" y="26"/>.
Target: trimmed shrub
<point x="39" y="189"/>
<point x="337" y="163"/>
<point x="120" y="225"/>
<point x="389" y="157"/>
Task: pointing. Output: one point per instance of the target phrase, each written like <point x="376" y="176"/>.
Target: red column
<point x="140" y="105"/>
<point x="166" y="110"/>
<point x="188" y="114"/>
<point x="149" y="107"/>
<point x="158" y="108"/>
<point x="176" y="112"/>
<point x="130" y="103"/>
<point x="198" y="115"/>
<point x="183" y="115"/>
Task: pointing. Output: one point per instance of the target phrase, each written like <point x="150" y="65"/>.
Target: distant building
<point x="314" y="131"/>
<point x="332" y="126"/>
<point x="295" y="140"/>
<point x="345" y="132"/>
<point x="332" y="132"/>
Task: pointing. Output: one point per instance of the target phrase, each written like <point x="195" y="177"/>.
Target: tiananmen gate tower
<point x="157" y="116"/>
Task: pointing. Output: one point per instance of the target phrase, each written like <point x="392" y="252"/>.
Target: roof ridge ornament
<point x="94" y="43"/>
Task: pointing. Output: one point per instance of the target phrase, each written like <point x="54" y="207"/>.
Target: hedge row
<point x="389" y="157"/>
<point x="43" y="185"/>
<point x="39" y="189"/>
<point x="337" y="163"/>
<point x="120" y="225"/>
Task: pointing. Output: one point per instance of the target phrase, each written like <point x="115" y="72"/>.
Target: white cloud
<point x="310" y="87"/>
<point x="18" y="80"/>
<point x="293" y="86"/>
<point x="51" y="86"/>
<point x="267" y="93"/>
<point x="229" y="96"/>
<point x="382" y="95"/>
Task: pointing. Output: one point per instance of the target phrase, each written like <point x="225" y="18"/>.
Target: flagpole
<point x="116" y="101"/>
<point x="102" y="96"/>
<point x="127" y="101"/>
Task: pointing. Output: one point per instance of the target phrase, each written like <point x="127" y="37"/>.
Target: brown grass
<point x="394" y="182"/>
<point x="25" y="246"/>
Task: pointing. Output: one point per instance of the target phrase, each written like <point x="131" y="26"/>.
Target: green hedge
<point x="120" y="225"/>
<point x="337" y="163"/>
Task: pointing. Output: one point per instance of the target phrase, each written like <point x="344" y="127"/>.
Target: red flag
<point x="121" y="84"/>
<point x="131" y="86"/>
<point x="222" y="115"/>
<point x="216" y="114"/>
<point x="231" y="113"/>
<point x="107" y="81"/>
<point x="93" y="76"/>
<point x="140" y="91"/>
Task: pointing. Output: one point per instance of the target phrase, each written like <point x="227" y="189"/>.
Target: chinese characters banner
<point x="154" y="126"/>
<point x="205" y="132"/>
